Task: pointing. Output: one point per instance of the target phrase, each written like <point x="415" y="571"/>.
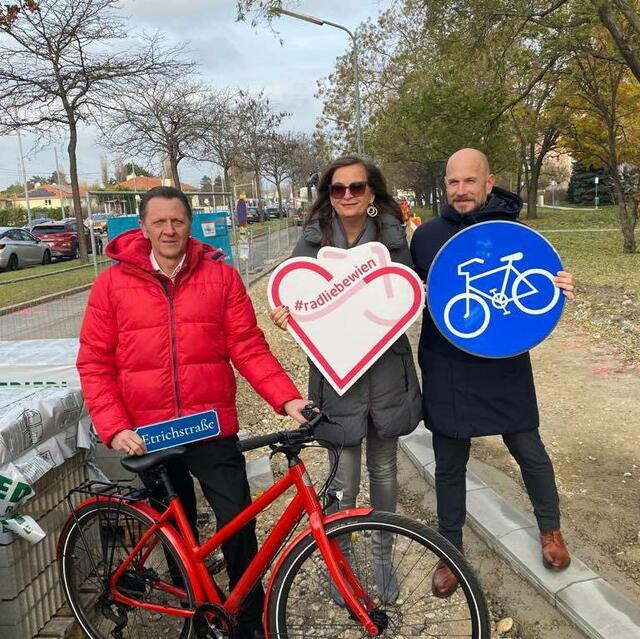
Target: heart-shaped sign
<point x="347" y="307"/>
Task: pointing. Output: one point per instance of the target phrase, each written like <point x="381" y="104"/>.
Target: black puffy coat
<point x="464" y="395"/>
<point x="388" y="394"/>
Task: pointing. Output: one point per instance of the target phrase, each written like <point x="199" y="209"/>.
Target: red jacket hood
<point x="131" y="247"/>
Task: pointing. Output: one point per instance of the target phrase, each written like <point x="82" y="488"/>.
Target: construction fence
<point x="59" y="295"/>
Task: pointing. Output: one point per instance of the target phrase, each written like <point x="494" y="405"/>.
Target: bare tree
<point x="258" y="122"/>
<point x="220" y="133"/>
<point x="54" y="75"/>
<point x="158" y="117"/>
<point x="308" y="156"/>
<point x="278" y="161"/>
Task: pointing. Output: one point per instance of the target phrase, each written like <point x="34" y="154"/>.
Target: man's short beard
<point x="475" y="209"/>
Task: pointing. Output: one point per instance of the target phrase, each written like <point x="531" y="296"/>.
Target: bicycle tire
<point x="301" y="603"/>
<point x="115" y="526"/>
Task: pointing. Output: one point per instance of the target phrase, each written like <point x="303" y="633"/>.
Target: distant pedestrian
<point x="405" y="209"/>
<point x="241" y="211"/>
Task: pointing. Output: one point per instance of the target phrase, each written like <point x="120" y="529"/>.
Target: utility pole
<point x="55" y="153"/>
<point x="24" y="179"/>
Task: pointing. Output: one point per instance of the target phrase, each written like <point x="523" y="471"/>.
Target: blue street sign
<point x="490" y="289"/>
<point x="180" y="431"/>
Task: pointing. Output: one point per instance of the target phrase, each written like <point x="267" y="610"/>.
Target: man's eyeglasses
<point x="356" y="189"/>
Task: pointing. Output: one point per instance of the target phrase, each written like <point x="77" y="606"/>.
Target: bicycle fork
<point x="343" y="576"/>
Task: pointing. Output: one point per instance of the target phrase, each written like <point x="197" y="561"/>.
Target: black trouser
<point x="221" y="471"/>
<point x="527" y="449"/>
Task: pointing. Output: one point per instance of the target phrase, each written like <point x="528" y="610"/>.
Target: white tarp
<point x="39" y="429"/>
<point x="39" y="363"/>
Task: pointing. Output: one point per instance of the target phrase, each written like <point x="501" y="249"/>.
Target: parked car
<point x="273" y="213"/>
<point x="253" y="215"/>
<point x="62" y="237"/>
<point x="38" y="220"/>
<point x="19" y="248"/>
<point x="99" y="222"/>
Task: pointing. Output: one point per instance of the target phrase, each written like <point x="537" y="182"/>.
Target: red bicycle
<point x="130" y="571"/>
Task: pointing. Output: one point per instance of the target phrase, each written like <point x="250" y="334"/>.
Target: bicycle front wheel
<point x="393" y="558"/>
<point x="94" y="545"/>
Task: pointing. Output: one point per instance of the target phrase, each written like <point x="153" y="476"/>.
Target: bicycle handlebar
<point x="299" y="436"/>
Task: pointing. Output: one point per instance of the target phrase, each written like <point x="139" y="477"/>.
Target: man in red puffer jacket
<point x="160" y="332"/>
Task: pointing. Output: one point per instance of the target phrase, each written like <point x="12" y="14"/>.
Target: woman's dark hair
<point x="322" y="210"/>
<point x="168" y="193"/>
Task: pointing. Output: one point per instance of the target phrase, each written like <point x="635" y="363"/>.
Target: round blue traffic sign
<point x="490" y="289"/>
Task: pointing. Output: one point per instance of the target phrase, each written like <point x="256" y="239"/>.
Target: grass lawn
<point x="594" y="258"/>
<point x="55" y="281"/>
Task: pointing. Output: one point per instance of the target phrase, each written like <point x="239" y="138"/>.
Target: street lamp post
<point x="596" y="200"/>
<point x="356" y="72"/>
<point x="24" y="178"/>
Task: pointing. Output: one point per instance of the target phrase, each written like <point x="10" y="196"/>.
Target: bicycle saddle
<point x="140" y="463"/>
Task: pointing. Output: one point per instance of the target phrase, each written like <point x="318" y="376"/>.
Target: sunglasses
<point x="356" y="189"/>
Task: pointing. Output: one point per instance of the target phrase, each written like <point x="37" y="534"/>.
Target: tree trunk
<point x="626" y="218"/>
<point x="75" y="190"/>
<point x="279" y="191"/>
<point x="623" y="40"/>
<point x="519" y="180"/>
<point x="531" y="175"/>
<point x="256" y="177"/>
<point x="175" y="176"/>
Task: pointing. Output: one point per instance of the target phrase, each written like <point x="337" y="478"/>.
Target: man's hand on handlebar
<point x="294" y="408"/>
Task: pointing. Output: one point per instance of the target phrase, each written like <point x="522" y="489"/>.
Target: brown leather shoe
<point x="555" y="555"/>
<point x="444" y="582"/>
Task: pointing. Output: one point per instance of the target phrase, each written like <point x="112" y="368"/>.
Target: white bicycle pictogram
<point x="499" y="299"/>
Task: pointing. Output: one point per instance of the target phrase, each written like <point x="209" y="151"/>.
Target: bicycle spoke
<point x="394" y="566"/>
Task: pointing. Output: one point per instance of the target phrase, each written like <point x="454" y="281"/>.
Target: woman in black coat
<point x="353" y="207"/>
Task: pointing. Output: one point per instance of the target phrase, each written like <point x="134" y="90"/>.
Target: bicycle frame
<point x="305" y="500"/>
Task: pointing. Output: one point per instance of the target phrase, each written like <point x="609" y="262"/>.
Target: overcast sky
<point x="230" y="54"/>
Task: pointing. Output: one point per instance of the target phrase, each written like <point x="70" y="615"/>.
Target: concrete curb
<point x="586" y="599"/>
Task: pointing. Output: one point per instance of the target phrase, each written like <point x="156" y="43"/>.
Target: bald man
<point x="465" y="396"/>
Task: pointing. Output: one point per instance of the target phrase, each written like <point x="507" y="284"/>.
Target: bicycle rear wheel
<point x="94" y="546"/>
<point x="393" y="558"/>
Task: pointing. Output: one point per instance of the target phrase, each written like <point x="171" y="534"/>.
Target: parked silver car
<point x="19" y="248"/>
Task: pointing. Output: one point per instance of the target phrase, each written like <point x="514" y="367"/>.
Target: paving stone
<point x="259" y="474"/>
<point x="522" y="548"/>
<point x="59" y="627"/>
<point x="600" y="611"/>
<point x="418" y="446"/>
<point x="473" y="483"/>
<point x="493" y="515"/>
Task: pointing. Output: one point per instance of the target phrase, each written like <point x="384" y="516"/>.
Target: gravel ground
<point x="588" y="379"/>
<point x="258" y="418"/>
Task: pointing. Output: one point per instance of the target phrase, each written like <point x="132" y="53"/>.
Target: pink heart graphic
<point x="387" y="331"/>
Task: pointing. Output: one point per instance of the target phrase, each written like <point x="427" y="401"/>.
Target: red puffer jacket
<point x="151" y="350"/>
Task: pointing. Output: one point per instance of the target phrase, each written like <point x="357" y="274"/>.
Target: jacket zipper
<point x="174" y="354"/>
